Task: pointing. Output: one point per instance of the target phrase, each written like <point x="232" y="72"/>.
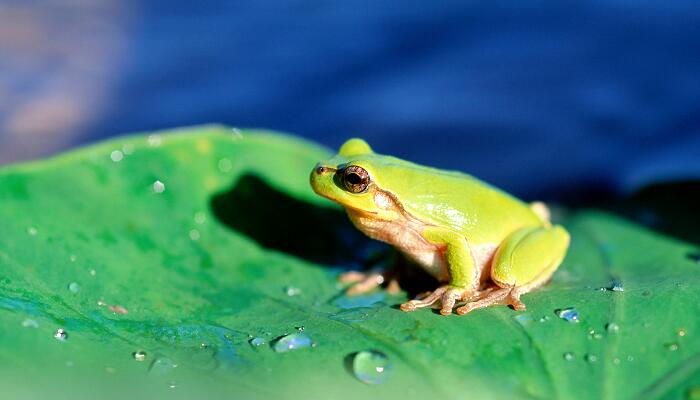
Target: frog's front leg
<point x="463" y="275"/>
<point x="525" y="260"/>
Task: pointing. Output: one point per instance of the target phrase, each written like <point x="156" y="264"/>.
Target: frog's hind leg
<point x="523" y="262"/>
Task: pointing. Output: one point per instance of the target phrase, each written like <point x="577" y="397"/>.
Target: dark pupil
<point x="354" y="179"/>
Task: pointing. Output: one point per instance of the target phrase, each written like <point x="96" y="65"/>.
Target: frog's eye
<point x="355" y="179"/>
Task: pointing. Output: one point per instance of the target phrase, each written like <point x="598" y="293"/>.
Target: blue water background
<point x="548" y="99"/>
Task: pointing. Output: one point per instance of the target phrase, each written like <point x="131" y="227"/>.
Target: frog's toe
<point x="446" y="296"/>
<point x="427" y="301"/>
<point x="502" y="296"/>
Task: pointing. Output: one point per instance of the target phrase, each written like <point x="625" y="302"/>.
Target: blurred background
<point x="547" y="99"/>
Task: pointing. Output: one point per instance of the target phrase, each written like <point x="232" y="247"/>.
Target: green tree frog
<point x="485" y="246"/>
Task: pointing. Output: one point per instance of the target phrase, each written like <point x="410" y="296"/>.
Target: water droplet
<point x="256" y="342"/>
<point x="630" y="358"/>
<point x="93" y="272"/>
<point x="32" y="231"/>
<point x="292" y="342"/>
<point x="154" y="140"/>
<point x="72" y="258"/>
<point x="161" y="366"/>
<point x="569" y="356"/>
<point x="128" y="149"/>
<point x="292" y="291"/>
<point x="616" y="286"/>
<point x="30" y="323"/>
<point x="225" y="165"/>
<point x="681" y="332"/>
<point x="592" y="334"/>
<point x="172" y="385"/>
<point x="612" y="327"/>
<point x="101" y="303"/>
<point x="74" y="287"/>
<point x="200" y="217"/>
<point x="158" y="187"/>
<point x="139" y="355"/>
<point x="194" y="234"/>
<point x="372" y="367"/>
<point x="591" y="358"/>
<point x="671" y="346"/>
<point x="300" y="328"/>
<point x="616" y="361"/>
<point x="569" y="314"/>
<point x="61" y="334"/>
<point x="116" y="156"/>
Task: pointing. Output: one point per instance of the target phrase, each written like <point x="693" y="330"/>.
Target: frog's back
<point x="483" y="213"/>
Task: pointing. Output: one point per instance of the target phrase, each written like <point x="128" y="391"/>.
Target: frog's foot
<point x="501" y="296"/>
<point x="365" y="282"/>
<point x="447" y="296"/>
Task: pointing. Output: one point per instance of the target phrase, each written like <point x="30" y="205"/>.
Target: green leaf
<point x="231" y="244"/>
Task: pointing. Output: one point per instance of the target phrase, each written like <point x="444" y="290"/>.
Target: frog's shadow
<point x="280" y="222"/>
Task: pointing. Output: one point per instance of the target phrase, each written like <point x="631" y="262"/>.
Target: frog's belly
<point x="431" y="257"/>
<point x="406" y="239"/>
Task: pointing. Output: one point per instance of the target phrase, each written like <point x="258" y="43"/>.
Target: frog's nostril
<point x="321" y="170"/>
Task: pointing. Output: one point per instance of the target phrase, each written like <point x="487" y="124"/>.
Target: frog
<point x="484" y="246"/>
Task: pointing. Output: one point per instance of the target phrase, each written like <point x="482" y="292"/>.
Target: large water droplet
<point x="256" y="341"/>
<point x="139" y="355"/>
<point x="569" y="314"/>
<point x="60" y="334"/>
<point x="292" y="342"/>
<point x="371" y="366"/>
<point x="74" y="287"/>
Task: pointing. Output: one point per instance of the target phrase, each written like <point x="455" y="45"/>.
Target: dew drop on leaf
<point x="612" y="327"/>
<point x="256" y="341"/>
<point x="74" y="287"/>
<point x="569" y="356"/>
<point x="60" y="334"/>
<point x="371" y="366"/>
<point x="292" y="291"/>
<point x="568" y="314"/>
<point x="292" y="341"/>
<point x="158" y="187"/>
